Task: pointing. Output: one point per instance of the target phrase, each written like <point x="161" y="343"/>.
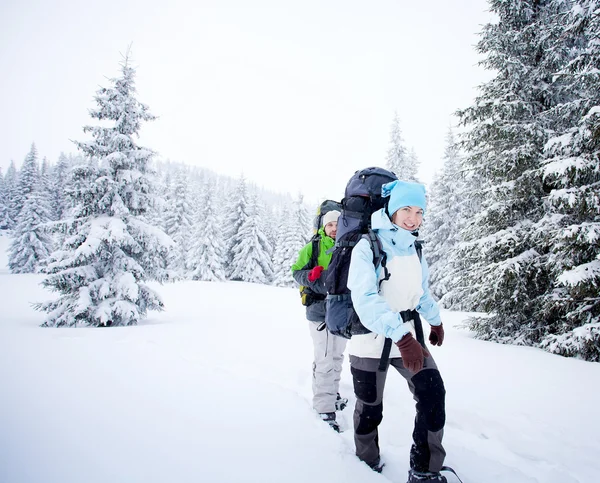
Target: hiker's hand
<point x="436" y="336"/>
<point x="412" y="353"/>
<point x="315" y="273"/>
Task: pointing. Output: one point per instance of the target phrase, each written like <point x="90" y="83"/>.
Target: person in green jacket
<point x="328" y="348"/>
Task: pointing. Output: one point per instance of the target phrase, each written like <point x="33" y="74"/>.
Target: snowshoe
<point x="377" y="467"/>
<point x="329" y="418"/>
<point x="425" y="477"/>
<point x="340" y="403"/>
<point x="447" y="468"/>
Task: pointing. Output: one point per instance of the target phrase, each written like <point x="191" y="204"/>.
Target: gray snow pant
<point x="327" y="367"/>
<point x="427" y="387"/>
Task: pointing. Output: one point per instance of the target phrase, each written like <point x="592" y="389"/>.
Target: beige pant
<point x="327" y="367"/>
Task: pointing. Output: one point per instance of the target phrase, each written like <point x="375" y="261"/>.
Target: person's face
<point x="408" y="217"/>
<point x="331" y="229"/>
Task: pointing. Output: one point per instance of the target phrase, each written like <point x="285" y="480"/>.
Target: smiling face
<point x="408" y="217"/>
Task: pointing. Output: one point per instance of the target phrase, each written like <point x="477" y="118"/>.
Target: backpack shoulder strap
<point x="379" y="255"/>
<point x="419" y="248"/>
<point x="376" y="247"/>
<point x="316" y="245"/>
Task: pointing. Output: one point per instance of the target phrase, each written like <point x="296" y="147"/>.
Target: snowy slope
<point x="217" y="389"/>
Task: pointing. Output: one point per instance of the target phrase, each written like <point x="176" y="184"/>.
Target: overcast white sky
<point x="296" y="94"/>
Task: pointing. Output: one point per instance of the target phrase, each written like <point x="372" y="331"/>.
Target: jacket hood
<point x="380" y="221"/>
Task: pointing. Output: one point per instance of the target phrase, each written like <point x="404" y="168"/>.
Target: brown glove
<point x="412" y="353"/>
<point x="436" y="336"/>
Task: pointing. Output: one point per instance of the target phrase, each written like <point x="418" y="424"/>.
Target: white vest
<point x="402" y="291"/>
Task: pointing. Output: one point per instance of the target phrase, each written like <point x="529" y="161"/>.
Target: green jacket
<point x="300" y="269"/>
<point x="326" y="243"/>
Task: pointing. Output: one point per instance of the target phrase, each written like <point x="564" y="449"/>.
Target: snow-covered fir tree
<point x="295" y="231"/>
<point x="444" y="224"/>
<point x="413" y="160"/>
<point x="398" y="159"/>
<point x="45" y="187"/>
<point x="11" y="188"/>
<point x="265" y="216"/>
<point x="163" y="188"/>
<point x="283" y="224"/>
<point x="571" y="176"/>
<point x="268" y="219"/>
<point x="110" y="251"/>
<point x="208" y="247"/>
<point x="31" y="243"/>
<point x="251" y="249"/>
<point x="505" y="266"/>
<point x="58" y="183"/>
<point x="235" y="216"/>
<point x="178" y="219"/>
<point x="5" y="221"/>
<point x="27" y="181"/>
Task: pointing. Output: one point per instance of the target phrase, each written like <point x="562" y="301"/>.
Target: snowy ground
<point x="217" y="389"/>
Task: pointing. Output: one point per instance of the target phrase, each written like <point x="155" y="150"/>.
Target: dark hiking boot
<point x="340" y="403"/>
<point x="425" y="477"/>
<point x="377" y="467"/>
<point x="329" y="418"/>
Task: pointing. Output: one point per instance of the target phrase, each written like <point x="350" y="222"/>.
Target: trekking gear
<point x="425" y="477"/>
<point x="362" y="198"/>
<point x="329" y="418"/>
<point x="325" y="207"/>
<point x="412" y="353"/>
<point x="340" y="402"/>
<point x="436" y="336"/>
<point x="315" y="273"/>
<point x="430" y="477"/>
<point x="447" y="468"/>
<point x="308" y="296"/>
<point x="377" y="467"/>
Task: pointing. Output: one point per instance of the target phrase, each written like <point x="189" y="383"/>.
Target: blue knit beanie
<point x="404" y="193"/>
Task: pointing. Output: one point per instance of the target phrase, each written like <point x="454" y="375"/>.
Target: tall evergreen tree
<point x="413" y="160"/>
<point x="11" y="189"/>
<point x="444" y="224"/>
<point x="5" y="221"/>
<point x="265" y="217"/>
<point x="110" y="251"/>
<point x="31" y="244"/>
<point x="208" y="246"/>
<point x="571" y="177"/>
<point x="295" y="232"/>
<point x="28" y="179"/>
<point x="505" y="265"/>
<point x="58" y="183"/>
<point x="178" y="224"/>
<point x="236" y="215"/>
<point x="251" y="250"/>
<point x="281" y="267"/>
<point x="398" y="159"/>
<point x="45" y="187"/>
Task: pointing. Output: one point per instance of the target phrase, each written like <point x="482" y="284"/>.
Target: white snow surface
<point x="217" y="388"/>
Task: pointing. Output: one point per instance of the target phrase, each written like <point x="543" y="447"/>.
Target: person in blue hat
<point x="390" y="299"/>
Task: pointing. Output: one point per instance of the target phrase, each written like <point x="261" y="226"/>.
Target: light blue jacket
<point x="374" y="307"/>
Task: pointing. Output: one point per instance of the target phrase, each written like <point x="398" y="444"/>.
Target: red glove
<point x="412" y="353"/>
<point x="315" y="273"/>
<point x="436" y="336"/>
